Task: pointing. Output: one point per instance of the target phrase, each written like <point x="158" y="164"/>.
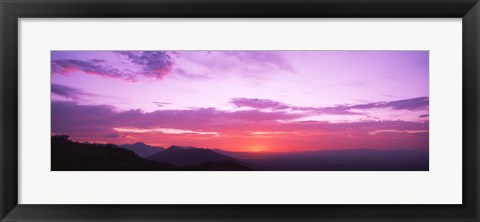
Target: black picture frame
<point x="12" y="10"/>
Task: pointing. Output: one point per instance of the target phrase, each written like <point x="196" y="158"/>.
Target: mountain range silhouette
<point x="179" y="156"/>
<point x="142" y="149"/>
<point x="74" y="156"/>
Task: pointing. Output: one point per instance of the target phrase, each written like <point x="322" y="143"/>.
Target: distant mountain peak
<point x="188" y="156"/>
<point x="142" y="149"/>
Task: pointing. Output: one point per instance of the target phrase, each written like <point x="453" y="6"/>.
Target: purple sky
<point x="256" y="98"/>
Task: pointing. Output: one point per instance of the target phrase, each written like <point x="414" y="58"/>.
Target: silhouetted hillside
<point x="142" y="149"/>
<point x="227" y="165"/>
<point x="187" y="156"/>
<point x="72" y="156"/>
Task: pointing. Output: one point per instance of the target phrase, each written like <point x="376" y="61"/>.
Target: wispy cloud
<point x="259" y="103"/>
<point x="264" y="58"/>
<point x="406" y="104"/>
<point x="161" y="104"/>
<point x="163" y="130"/>
<point x="68" y="92"/>
<point x="252" y="64"/>
<point x="397" y="131"/>
<point x="143" y="65"/>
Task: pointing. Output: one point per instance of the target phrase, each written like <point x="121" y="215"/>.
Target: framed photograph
<point x="239" y="110"/>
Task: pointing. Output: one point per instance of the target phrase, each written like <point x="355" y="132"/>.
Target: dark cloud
<point x="69" y="116"/>
<point x="95" y="67"/>
<point x="68" y="92"/>
<point x="154" y="64"/>
<point x="424" y="116"/>
<point x="270" y="104"/>
<point x="407" y="104"/>
<point x="73" y="119"/>
<point x="151" y="65"/>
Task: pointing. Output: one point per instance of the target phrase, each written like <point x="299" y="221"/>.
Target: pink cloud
<point x="84" y="121"/>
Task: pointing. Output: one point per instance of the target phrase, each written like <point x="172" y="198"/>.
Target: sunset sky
<point x="243" y="100"/>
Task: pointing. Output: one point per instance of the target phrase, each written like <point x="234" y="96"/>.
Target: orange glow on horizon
<point x="257" y="148"/>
